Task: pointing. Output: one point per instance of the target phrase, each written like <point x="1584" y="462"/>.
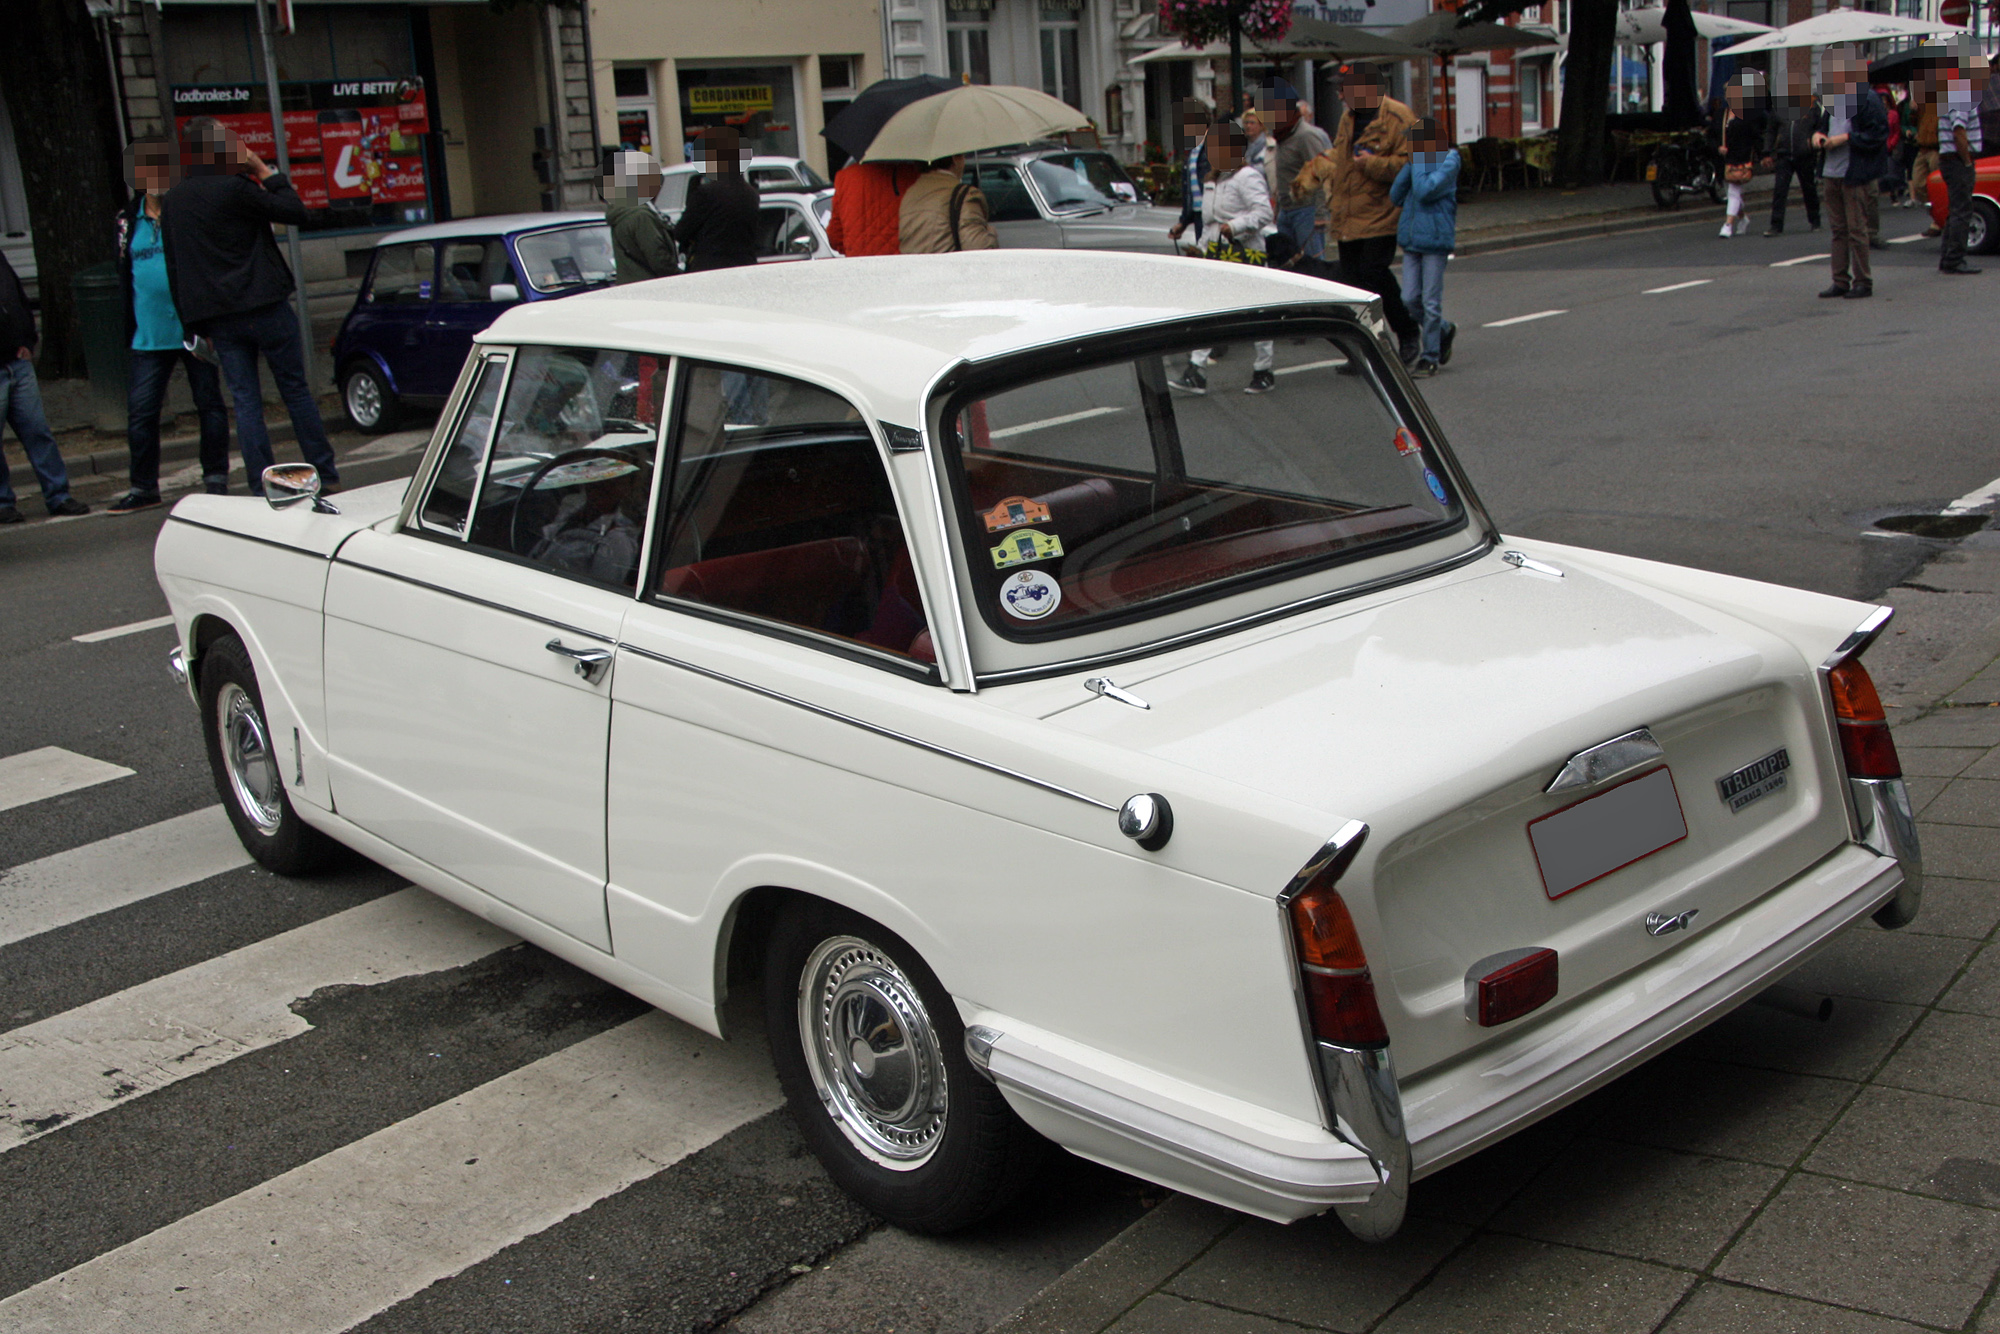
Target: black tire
<point x="252" y="787"/>
<point x="1982" y="232"/>
<point x="371" y="405"/>
<point x="964" y="1161"/>
<point x="1718" y="188"/>
<point x="1669" y="170"/>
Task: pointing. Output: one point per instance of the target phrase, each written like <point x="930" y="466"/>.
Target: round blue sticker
<point x="1437" y="487"/>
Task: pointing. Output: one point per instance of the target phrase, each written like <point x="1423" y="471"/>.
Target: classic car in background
<point x="1982" y="236"/>
<point x="1049" y="197"/>
<point x="766" y="173"/>
<point x="1199" y="782"/>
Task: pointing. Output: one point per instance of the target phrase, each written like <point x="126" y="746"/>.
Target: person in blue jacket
<point x="1426" y="189"/>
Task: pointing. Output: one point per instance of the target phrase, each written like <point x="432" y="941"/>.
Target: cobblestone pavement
<point x="1771" y="1175"/>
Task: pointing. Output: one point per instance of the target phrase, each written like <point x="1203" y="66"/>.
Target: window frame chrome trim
<point x="654" y="503"/>
<point x="463" y="533"/>
<point x="875" y="728"/>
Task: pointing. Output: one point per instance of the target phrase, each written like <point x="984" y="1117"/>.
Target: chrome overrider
<point x="1880" y="807"/>
<point x="177" y="667"/>
<point x="1357" y="1085"/>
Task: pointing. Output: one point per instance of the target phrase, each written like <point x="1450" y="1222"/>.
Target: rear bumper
<point x="1445" y="1114"/>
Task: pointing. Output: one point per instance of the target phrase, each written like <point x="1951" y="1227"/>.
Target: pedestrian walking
<point x="642" y="242"/>
<point x="21" y="406"/>
<point x="1788" y="148"/>
<point x="1195" y="120"/>
<point x="1236" y="217"/>
<point x="231" y="285"/>
<point x="1426" y="190"/>
<point x="1369" y="149"/>
<point x="158" y="341"/>
<point x="718" y="229"/>
<point x="1739" y="157"/>
<point x="1297" y="142"/>
<point x="867" y="207"/>
<point x="1959" y="141"/>
<point x="1856" y="140"/>
<point x="942" y="213"/>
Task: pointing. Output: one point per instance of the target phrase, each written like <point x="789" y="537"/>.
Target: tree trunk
<point x="57" y="81"/>
<point x="1593" y="27"/>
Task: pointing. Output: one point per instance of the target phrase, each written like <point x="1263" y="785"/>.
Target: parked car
<point x="1201" y="782"/>
<point x="429" y="289"/>
<point x="1054" y="198"/>
<point x="1982" y="236"/>
<point x="766" y="173"/>
<point x="791" y="224"/>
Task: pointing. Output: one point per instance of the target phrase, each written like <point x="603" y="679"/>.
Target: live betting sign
<point x="353" y="142"/>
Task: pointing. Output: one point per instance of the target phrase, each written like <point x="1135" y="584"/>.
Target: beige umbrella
<point x="969" y="118"/>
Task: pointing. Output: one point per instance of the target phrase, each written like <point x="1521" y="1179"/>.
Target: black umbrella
<point x="1902" y="66"/>
<point x="862" y="119"/>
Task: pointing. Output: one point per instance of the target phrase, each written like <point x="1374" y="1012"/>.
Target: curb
<point x="1491" y="239"/>
<point x="177" y="449"/>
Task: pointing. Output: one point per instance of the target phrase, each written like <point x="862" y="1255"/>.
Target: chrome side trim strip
<point x="1860" y="637"/>
<point x="479" y="602"/>
<point x="878" y="730"/>
<point x="246" y="537"/>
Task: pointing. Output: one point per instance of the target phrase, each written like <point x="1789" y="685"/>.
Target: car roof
<point x="493" y="224"/>
<point x="882" y="329"/>
<point x="682" y="168"/>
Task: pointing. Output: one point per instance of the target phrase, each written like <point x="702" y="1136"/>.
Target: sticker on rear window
<point x="1024" y="546"/>
<point x="1757" y="779"/>
<point x="1406" y="441"/>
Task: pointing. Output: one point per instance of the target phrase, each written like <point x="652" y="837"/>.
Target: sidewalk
<point x="1503" y="220"/>
<point x="1771" y="1175"/>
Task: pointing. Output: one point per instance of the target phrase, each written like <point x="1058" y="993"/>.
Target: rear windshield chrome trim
<point x="1068" y="665"/>
<point x="876" y="728"/>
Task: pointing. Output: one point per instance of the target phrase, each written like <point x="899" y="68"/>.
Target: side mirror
<point x="286" y="484"/>
<point x="503" y="292"/>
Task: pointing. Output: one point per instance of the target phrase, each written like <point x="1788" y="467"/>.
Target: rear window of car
<point x="567" y="258"/>
<point x="1125" y="486"/>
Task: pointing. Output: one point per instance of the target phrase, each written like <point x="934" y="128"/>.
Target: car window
<point x="570" y="471"/>
<point x="1066" y="185"/>
<point x="810" y="179"/>
<point x="673" y="192"/>
<point x="783" y="231"/>
<point x="1100" y="170"/>
<point x="1104" y="490"/>
<point x="472" y="268"/>
<point x="457" y="477"/>
<point x="568" y="258"/>
<point x="402" y="274"/>
<point x="780" y="509"/>
<point x="773" y="178"/>
<point x="1006" y="194"/>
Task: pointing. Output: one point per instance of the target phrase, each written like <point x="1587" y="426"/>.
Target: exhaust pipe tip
<point x="1792" y="1000"/>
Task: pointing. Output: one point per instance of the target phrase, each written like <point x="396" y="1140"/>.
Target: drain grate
<point x="1942" y="527"/>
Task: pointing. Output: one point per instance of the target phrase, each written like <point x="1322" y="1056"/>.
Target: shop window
<point x="759" y="101"/>
<point x="638" y="108"/>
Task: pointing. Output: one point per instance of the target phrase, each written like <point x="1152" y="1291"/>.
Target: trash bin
<point x="107" y="350"/>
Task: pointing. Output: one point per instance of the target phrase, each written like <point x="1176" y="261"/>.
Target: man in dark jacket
<point x="1856" y="140"/>
<point x="231" y="284"/>
<point x="718" y="229"/>
<point x="21" y="405"/>
<point x="1788" y="147"/>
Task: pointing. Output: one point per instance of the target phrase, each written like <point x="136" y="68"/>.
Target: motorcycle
<point x="1683" y="167"/>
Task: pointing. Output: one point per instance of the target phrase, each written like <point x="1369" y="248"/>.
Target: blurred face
<point x="1253" y="124"/>
<point x="1224" y="154"/>
<point x="152" y="170"/>
<point x="1194" y="128"/>
<point x="1362" y="92"/>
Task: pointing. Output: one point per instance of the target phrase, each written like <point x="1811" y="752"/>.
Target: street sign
<point x="1955" y="12"/>
<point x="287" y="23"/>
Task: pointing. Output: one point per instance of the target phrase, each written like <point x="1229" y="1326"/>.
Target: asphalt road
<point x="1739" y="424"/>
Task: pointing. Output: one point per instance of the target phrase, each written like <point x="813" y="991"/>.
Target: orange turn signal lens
<point x="1340" y="995"/>
<point x="1324" y="930"/>
<point x="1865" y="744"/>
<point x="1854" y="697"/>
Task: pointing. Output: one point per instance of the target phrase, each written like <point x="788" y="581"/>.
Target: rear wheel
<point x="1982" y="233"/>
<point x="249" y="768"/>
<point x="1669" y="170"/>
<point x="871" y="1055"/>
<point x="370" y="403"/>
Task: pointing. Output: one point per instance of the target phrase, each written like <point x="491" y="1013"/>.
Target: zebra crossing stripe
<point x="36" y="775"/>
<point x="69" y="886"/>
<point x="90" y="1059"/>
<point x="326" y="1245"/>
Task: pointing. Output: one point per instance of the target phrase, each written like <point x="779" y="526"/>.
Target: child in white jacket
<point x="1236" y="216"/>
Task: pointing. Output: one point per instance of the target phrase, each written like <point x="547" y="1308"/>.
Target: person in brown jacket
<point x="1370" y="147"/>
<point x="943" y="212"/>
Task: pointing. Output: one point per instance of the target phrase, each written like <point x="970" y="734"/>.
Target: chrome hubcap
<point x="364" y="399"/>
<point x="247" y="757"/>
<point x="874" y="1057"/>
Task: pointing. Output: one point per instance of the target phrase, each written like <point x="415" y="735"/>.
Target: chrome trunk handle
<point x="591" y="663"/>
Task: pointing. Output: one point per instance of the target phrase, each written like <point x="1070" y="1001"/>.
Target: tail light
<point x="1865" y="743"/>
<point x="1333" y="970"/>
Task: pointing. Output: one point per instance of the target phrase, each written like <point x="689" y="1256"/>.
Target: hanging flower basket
<point x="1199" y="22"/>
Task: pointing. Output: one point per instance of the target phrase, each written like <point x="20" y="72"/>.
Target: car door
<point x="468" y="271"/>
<point x="470" y="655"/>
<point x="784" y="233"/>
<point x="389" y="318"/>
<point x="1012" y="209"/>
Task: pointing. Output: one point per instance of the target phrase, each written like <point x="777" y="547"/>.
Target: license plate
<point x="1598" y="835"/>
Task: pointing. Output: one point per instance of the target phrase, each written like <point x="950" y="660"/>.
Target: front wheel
<point x="1982" y="232"/>
<point x="371" y="404"/>
<point x="871" y="1054"/>
<point x="249" y="767"/>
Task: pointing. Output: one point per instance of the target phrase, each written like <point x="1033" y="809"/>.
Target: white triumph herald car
<point x="1195" y="779"/>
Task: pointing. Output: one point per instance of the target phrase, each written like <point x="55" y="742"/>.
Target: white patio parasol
<point x="1839" y="26"/>
<point x="1645" y="27"/>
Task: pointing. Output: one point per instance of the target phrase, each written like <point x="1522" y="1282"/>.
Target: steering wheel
<point x="548" y="466"/>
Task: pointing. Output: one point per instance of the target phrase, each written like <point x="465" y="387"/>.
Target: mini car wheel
<point x="370" y="402"/>
<point x="1982" y="232"/>
<point x="249" y="773"/>
<point x="871" y="1055"/>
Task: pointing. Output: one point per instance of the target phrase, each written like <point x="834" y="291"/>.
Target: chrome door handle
<point x="591" y="663"/>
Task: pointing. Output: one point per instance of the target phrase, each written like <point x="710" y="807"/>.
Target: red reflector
<point x="1514" y="989"/>
<point x="1865" y="743"/>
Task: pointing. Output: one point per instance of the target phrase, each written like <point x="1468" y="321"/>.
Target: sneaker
<point x="1933" y="231"/>
<point x="1860" y="290"/>
<point x="1774" y="231"/>
<point x="1444" y="344"/>
<point x="1961" y="270"/>
<point x="1838" y="289"/>
<point x="69" y="509"/>
<point x="1424" y="368"/>
<point x="1191" y="380"/>
<point x="1812" y="226"/>
<point x="132" y="502"/>
<point x="8" y="514"/>
<point x="1261" y="382"/>
<point x="216" y="488"/>
<point x="1726" y="231"/>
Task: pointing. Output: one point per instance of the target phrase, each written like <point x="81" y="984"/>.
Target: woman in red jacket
<point x="868" y="205"/>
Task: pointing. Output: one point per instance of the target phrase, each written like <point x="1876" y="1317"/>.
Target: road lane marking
<point x="1677" y="287"/>
<point x="120" y="631"/>
<point x="1802" y="259"/>
<point x="75" y="1064"/>
<point x="1973" y="499"/>
<point x="1905" y="240"/>
<point x="332" y="1242"/>
<point x="1522" y="319"/>
<point x="51" y="771"/>
<point x="1046" y="422"/>
<point x="1311" y="366"/>
<point x="69" y="886"/>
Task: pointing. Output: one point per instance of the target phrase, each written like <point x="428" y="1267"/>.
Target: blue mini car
<point x="428" y="290"/>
